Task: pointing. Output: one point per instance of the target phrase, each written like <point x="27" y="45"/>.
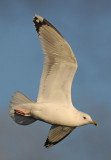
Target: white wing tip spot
<point x="39" y="18"/>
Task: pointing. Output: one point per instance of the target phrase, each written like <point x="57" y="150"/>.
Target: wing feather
<point x="56" y="134"/>
<point x="59" y="64"/>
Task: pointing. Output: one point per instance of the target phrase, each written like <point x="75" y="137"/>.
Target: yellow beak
<point x="93" y="122"/>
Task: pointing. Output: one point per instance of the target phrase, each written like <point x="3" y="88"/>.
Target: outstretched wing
<point x="59" y="64"/>
<point x="56" y="134"/>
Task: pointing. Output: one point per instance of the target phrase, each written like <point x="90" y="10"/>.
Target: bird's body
<point x="54" y="104"/>
<point x="56" y="114"/>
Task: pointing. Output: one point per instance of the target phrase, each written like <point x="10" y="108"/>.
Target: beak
<point x="95" y="123"/>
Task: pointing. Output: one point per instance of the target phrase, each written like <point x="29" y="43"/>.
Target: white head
<point x="84" y="119"/>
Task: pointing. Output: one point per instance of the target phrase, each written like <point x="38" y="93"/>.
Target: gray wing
<point x="59" y="64"/>
<point x="56" y="134"/>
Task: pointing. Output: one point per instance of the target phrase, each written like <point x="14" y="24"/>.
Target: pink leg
<point x="22" y="112"/>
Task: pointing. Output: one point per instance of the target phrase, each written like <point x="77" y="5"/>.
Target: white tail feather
<point x="18" y="99"/>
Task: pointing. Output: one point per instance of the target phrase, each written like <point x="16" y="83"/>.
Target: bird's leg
<point x="22" y="112"/>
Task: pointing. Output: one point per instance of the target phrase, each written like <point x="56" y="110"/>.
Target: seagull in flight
<point x="54" y="104"/>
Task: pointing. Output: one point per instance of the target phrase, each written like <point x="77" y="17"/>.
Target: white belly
<point x="54" y="114"/>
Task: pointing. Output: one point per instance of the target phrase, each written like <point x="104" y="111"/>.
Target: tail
<point x="18" y="99"/>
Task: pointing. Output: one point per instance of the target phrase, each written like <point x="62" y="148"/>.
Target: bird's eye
<point x="84" y="117"/>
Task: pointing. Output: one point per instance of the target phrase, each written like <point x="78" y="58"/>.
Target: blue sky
<point x="86" y="25"/>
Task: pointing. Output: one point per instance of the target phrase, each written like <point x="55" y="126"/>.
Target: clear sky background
<point x="86" y="25"/>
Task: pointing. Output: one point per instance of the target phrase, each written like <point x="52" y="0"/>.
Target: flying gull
<point x="54" y="104"/>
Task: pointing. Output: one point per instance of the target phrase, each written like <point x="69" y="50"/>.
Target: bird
<point x="54" y="104"/>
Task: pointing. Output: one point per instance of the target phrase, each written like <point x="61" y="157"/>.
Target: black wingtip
<point x="38" y="22"/>
<point x="48" y="144"/>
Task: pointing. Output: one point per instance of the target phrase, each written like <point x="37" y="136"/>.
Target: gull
<point x="54" y="104"/>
